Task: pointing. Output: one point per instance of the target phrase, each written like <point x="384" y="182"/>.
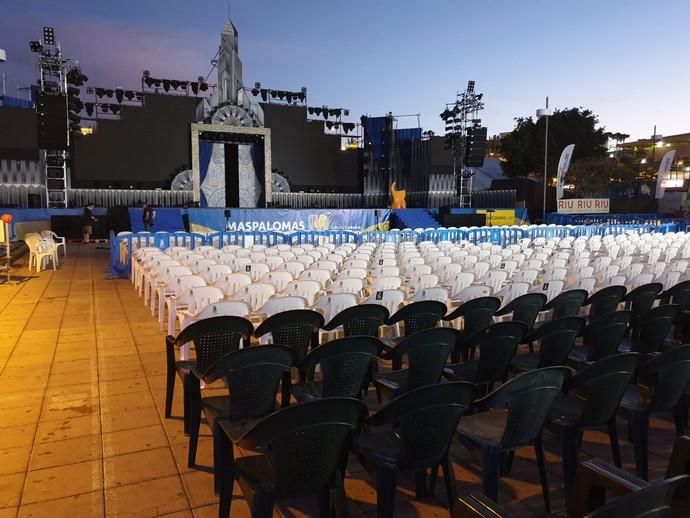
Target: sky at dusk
<point x="625" y="60"/>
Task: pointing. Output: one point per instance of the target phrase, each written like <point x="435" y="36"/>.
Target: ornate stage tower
<point x="230" y="106"/>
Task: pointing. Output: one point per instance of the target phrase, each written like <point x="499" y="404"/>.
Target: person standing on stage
<point x="88" y="220"/>
<point x="148" y="216"/>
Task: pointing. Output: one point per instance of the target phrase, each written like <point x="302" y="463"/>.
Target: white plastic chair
<point x="57" y="240"/>
<point x="39" y="251"/>
<point x="347" y="285"/>
<point x="279" y="279"/>
<point x="216" y="271"/>
<point x="224" y="308"/>
<point x="174" y="290"/>
<point x="391" y="299"/>
<point x="304" y="288"/>
<point x="436" y="293"/>
<point x="196" y="300"/>
<point x="323" y="277"/>
<point x="385" y="283"/>
<point x="276" y="305"/>
<point x="294" y="267"/>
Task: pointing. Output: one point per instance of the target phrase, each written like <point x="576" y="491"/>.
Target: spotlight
<point x="119" y="94"/>
<point x="257" y="85"/>
<point x="317" y="111"/>
<point x="325" y="112"/>
<point x="129" y="95"/>
<point x="203" y="86"/>
<point x="346" y="113"/>
<point x="74" y="117"/>
<point x="274" y="94"/>
<point x="139" y="96"/>
<point x="175" y="84"/>
<point x="90" y="90"/>
<point x="348" y="127"/>
<point x="115" y="109"/>
<point x="89" y="109"/>
<point x="337" y="112"/>
<point x="48" y="36"/>
<point x="72" y="91"/>
<point x="35" y="46"/>
<point x="281" y="94"/>
<point x="148" y="81"/>
<point x="104" y="108"/>
<point x="470" y="86"/>
<point x="100" y="92"/>
<point x="75" y="104"/>
<point x="195" y="87"/>
<point x="288" y="97"/>
<point x="329" y="124"/>
<point x="255" y="92"/>
<point x="310" y="110"/>
<point x="109" y="93"/>
<point x="183" y="84"/>
<point x="166" y="85"/>
<point x="146" y="74"/>
<point x="264" y="94"/>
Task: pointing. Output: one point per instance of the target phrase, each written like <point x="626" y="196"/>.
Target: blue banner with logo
<point x="287" y="220"/>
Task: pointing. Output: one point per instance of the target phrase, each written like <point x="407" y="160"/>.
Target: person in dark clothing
<point x="87" y="222"/>
<point x="148" y="216"/>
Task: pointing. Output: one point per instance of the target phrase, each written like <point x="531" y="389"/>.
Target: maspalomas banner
<point x="663" y="173"/>
<point x="287" y="220"/>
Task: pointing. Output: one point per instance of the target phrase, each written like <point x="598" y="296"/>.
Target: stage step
<point x="414" y="218"/>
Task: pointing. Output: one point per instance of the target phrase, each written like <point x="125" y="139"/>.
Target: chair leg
<point x="507" y="462"/>
<point x="194" y="419"/>
<point x="449" y="479"/>
<point x="223" y="459"/>
<point x="491" y="463"/>
<point x="339" y="498"/>
<point x="420" y="484"/>
<point x="285" y="389"/>
<point x="325" y="502"/>
<point x="169" y="391"/>
<point x="433" y="478"/>
<point x="680" y="412"/>
<point x="186" y="382"/>
<point x="539" y="450"/>
<point x="640" y="425"/>
<point x="261" y="505"/>
<point x="613" y="438"/>
<point x="569" y="451"/>
<point x="385" y="492"/>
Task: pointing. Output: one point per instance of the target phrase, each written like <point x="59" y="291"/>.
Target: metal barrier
<point x="124" y="244"/>
<point x="129" y="197"/>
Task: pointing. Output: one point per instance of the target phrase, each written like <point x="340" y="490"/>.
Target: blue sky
<point x="625" y="59"/>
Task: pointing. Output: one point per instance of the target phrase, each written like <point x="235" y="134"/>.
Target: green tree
<point x="523" y="148"/>
<point x="596" y="177"/>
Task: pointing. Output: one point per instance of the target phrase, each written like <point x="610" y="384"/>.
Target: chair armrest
<point x="477" y="506"/>
<point x="391" y="385"/>
<point x="679" y="463"/>
<point x="593" y="479"/>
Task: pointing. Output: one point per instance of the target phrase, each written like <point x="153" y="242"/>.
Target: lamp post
<point x="3" y="58"/>
<point x="545" y="112"/>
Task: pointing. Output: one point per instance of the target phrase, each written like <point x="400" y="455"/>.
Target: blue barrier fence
<point x="122" y="245"/>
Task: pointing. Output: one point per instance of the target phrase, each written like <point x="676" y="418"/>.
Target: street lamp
<point x="3" y="58"/>
<point x="545" y="112"/>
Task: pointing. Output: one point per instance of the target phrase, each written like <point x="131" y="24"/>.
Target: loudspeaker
<point x="52" y="121"/>
<point x="475" y="147"/>
<point x="463" y="220"/>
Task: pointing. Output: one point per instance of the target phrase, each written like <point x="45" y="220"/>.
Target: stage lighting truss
<point x="280" y="96"/>
<point x="175" y="86"/>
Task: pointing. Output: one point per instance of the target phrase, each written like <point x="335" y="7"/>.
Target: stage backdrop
<point x="287" y="220"/>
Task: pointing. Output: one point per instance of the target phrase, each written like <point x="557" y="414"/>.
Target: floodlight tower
<point x="53" y="120"/>
<point x="464" y="139"/>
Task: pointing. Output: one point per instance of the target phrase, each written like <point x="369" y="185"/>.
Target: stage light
<point x="195" y="87"/>
<point x="325" y="112"/>
<point x="281" y="94"/>
<point x="119" y="94"/>
<point x="89" y="109"/>
<point x="75" y="104"/>
<point x="35" y="46"/>
<point x="255" y="92"/>
<point x="337" y="112"/>
<point x="288" y="97"/>
<point x="274" y="94"/>
<point x="148" y="81"/>
<point x="109" y="93"/>
<point x="257" y="85"/>
<point x="264" y="94"/>
<point x="203" y="86"/>
<point x="166" y="85"/>
<point x="348" y="126"/>
<point x="139" y="96"/>
<point x="317" y="111"/>
<point x="175" y="84"/>
<point x="115" y="109"/>
<point x="72" y="91"/>
<point x="183" y="84"/>
<point x="100" y="92"/>
<point x="104" y="108"/>
<point x="48" y="36"/>
<point x="74" y="117"/>
<point x="470" y="86"/>
<point x="329" y="124"/>
<point x="310" y="110"/>
<point x="129" y="95"/>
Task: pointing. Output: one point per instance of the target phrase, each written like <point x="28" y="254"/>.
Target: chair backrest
<point x="214" y="337"/>
<point x="252" y="376"/>
<point x="427" y="352"/>
<point x="567" y="304"/>
<point x="224" y="308"/>
<point x="667" y="376"/>
<point x="599" y="387"/>
<point x="294" y="267"/>
<point x="231" y="283"/>
<point x="425" y="420"/>
<point x="641" y="299"/>
<point x="525" y="308"/>
<point x="347" y="285"/>
<point x="279" y="279"/>
<point x="472" y="292"/>
<point x="476" y="314"/>
<point x="323" y="277"/>
<point x="385" y="283"/>
<point x="418" y="316"/>
<point x="460" y="281"/>
<point x="650" y="331"/>
<point x="292" y="328"/>
<point x="556" y="338"/>
<point x="678" y="294"/>
<point x="185" y="282"/>
<point x="528" y="398"/>
<point x="437" y="293"/>
<point x="360" y="320"/>
<point x="305" y="444"/>
<point x="390" y="299"/>
<point x="602" y="336"/>
<point x="344" y="363"/>
<point x="652" y="501"/>
<point x="331" y="304"/>
<point x="201" y="297"/>
<point x="256" y="295"/>
<point x="279" y="304"/>
<point x="215" y="272"/>
<point x="304" y="288"/>
<point x="605" y="301"/>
